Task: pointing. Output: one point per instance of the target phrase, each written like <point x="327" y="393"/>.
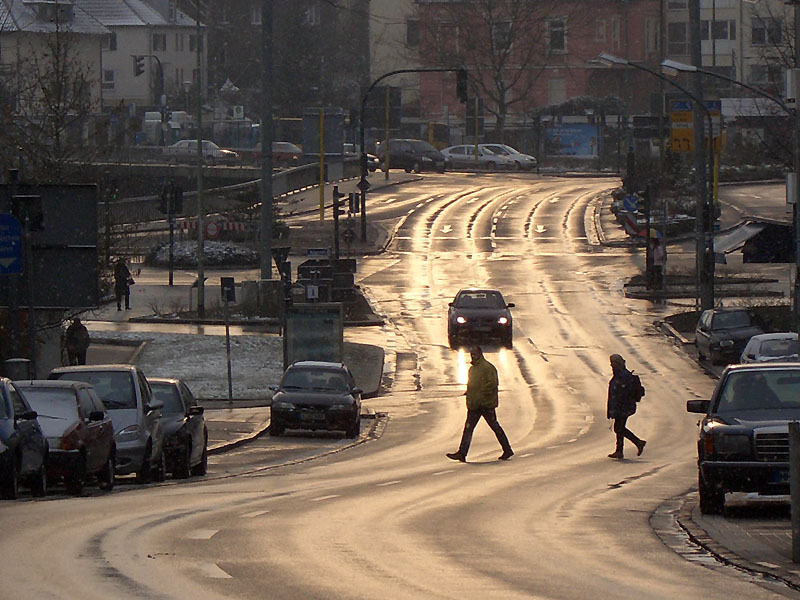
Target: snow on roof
<point x="32" y="16"/>
<point x="130" y="13"/>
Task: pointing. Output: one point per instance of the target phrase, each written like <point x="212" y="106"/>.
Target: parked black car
<point x="411" y="155"/>
<point x="743" y="443"/>
<point x="316" y="395"/>
<point x="722" y="333"/>
<point x="478" y="314"/>
<point x="78" y="429"/>
<point x="23" y="446"/>
<point x="185" y="433"/>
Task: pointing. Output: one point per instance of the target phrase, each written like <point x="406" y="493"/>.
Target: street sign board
<point x="318" y="252"/>
<point x="10" y="244"/>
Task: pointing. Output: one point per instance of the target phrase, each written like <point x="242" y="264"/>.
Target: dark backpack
<point x="637" y="389"/>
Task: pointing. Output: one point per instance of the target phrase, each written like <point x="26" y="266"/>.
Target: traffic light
<point x="338" y="202"/>
<point x="461" y="85"/>
<point x="353" y="198"/>
<point x="138" y="65"/>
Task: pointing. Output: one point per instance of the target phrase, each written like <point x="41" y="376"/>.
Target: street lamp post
<point x="705" y="240"/>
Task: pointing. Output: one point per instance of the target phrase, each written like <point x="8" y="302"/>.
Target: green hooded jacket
<point x="482" y="385"/>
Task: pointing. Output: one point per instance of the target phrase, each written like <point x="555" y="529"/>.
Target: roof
<point x="130" y="13"/>
<point x="81" y="368"/>
<point x="317" y="364"/>
<point x="52" y="383"/>
<point x="16" y="16"/>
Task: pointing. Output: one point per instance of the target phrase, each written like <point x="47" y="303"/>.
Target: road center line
<point x="321" y="498"/>
<point x="213" y="571"/>
<point x="256" y="513"/>
<point x="385" y="483"/>
<point x="202" y="534"/>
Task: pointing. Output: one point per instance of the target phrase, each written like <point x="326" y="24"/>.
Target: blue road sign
<point x="630" y="203"/>
<point x="10" y="244"/>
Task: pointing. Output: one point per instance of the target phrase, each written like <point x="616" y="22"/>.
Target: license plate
<point x="312" y="415"/>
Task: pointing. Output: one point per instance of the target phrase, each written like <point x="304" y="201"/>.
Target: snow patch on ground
<point x="201" y="361"/>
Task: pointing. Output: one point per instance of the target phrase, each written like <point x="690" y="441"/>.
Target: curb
<point x="241" y="441"/>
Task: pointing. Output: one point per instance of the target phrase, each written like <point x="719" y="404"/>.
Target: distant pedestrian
<point x="482" y="384"/>
<point x="77" y="342"/>
<point x="659" y="262"/>
<point x="122" y="284"/>
<point x="621" y="405"/>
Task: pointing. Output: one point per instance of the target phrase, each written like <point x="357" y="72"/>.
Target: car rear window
<point x="731" y="320"/>
<point x="114" y="388"/>
<point x="480" y="300"/>
<point x="785" y="347"/>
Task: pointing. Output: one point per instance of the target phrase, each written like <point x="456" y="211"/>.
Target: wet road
<point x="391" y="517"/>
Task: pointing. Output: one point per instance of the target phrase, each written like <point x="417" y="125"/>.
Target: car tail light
<point x="71" y="440"/>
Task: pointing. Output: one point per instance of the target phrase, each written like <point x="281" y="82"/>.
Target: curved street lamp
<point x="705" y="239"/>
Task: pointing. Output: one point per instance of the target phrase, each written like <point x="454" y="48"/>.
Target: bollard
<point x="794" y="486"/>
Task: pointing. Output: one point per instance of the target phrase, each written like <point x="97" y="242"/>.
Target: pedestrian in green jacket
<point x="482" y="401"/>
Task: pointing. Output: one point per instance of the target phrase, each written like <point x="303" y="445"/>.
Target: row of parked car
<point x="743" y="436"/>
<point x="418" y="155"/>
<point x="92" y="423"/>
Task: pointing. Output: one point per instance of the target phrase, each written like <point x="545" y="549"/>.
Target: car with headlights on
<point x="136" y="416"/>
<point x="316" y="395"/>
<point x="185" y="432"/>
<point x="477" y="314"/>
<point x="743" y="441"/>
<point x="23" y="445"/>
<point x="722" y="333"/>
<point x="79" y="431"/>
<point x="771" y="347"/>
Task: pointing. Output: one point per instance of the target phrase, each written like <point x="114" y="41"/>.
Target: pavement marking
<point x="202" y="534"/>
<point x="213" y="571"/>
<point x="385" y="483"/>
<point x="321" y="498"/>
<point x="444" y="472"/>
<point x="256" y="513"/>
<point x="526" y="455"/>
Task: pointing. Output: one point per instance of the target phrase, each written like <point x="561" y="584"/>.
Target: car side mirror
<point x="751" y="356"/>
<point x="356" y="391"/>
<point x="154" y="405"/>
<point x="196" y="410"/>
<point x="698" y="406"/>
<point x="97" y="415"/>
<point x="451" y="304"/>
<point x="273" y="388"/>
<point x="28" y="415"/>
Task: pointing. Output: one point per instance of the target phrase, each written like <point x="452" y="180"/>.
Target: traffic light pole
<point x="363" y="184"/>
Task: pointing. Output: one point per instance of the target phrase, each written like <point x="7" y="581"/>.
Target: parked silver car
<point x="521" y="162"/>
<point x="136" y="415"/>
<point x="771" y="347"/>
<point x="464" y="157"/>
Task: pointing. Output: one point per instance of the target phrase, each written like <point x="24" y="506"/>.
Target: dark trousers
<point x="490" y="416"/>
<point x="123" y="291"/>
<point x="623" y="432"/>
<point x="77" y="357"/>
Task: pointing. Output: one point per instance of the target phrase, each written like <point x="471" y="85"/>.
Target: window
<point x="557" y="35"/>
<point x="677" y="38"/>
<point x="108" y="79"/>
<point x="412" y="33"/>
<point x="501" y="35"/>
<point x="171" y="11"/>
<point x="16" y="402"/>
<point x="651" y="34"/>
<point x="110" y="42"/>
<point x="556" y="90"/>
<point x="677" y="4"/>
<point x="616" y="36"/>
<point x="255" y="13"/>
<point x="720" y="30"/>
<point x="766" y="74"/>
<point x="766" y="31"/>
<point x="600" y="30"/>
<point x="159" y="42"/>
<point x="179" y="40"/>
<point x="193" y="43"/>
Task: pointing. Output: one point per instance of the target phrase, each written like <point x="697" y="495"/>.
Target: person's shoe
<point x="616" y="454"/>
<point x="506" y="454"/>
<point x="118" y="308"/>
<point x="127" y="308"/>
<point x="456" y="456"/>
<point x="640" y="447"/>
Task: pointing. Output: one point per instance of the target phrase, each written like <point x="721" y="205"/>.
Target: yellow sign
<point x="681" y="138"/>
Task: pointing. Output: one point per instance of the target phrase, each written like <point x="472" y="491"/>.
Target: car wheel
<point x="201" y="468"/>
<point x="700" y="355"/>
<point x="39" y="481"/>
<point x="182" y="468"/>
<point x="107" y="477"/>
<point x="490" y="166"/>
<point x="275" y="430"/>
<point x="160" y="471"/>
<point x="76" y="479"/>
<point x="355" y="428"/>
<point x="416" y="167"/>
<point x="11" y="483"/>
<point x="145" y="472"/>
<point x="508" y="341"/>
<point x="451" y="340"/>
<point x="517" y="166"/>
<point x="712" y="499"/>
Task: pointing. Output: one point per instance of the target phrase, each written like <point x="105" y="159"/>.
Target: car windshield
<point x="308" y="379"/>
<point x="169" y="395"/>
<point x="731" y="320"/>
<point x="480" y="300"/>
<point x="115" y="388"/>
<point x="784" y="347"/>
<point x="760" y="390"/>
<point x="52" y="403"/>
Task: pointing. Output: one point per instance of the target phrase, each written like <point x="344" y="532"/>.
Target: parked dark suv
<point x="411" y="155"/>
<point x="743" y="443"/>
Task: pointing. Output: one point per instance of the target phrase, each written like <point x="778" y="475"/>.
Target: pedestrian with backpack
<point x="624" y="391"/>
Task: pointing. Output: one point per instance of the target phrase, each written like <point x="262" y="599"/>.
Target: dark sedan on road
<point x="743" y="443"/>
<point x="23" y="447"/>
<point x="185" y="433"/>
<point x="316" y="395"/>
<point x="411" y="155"/>
<point x="477" y="314"/>
<point x="79" y="432"/>
<point x="722" y="333"/>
